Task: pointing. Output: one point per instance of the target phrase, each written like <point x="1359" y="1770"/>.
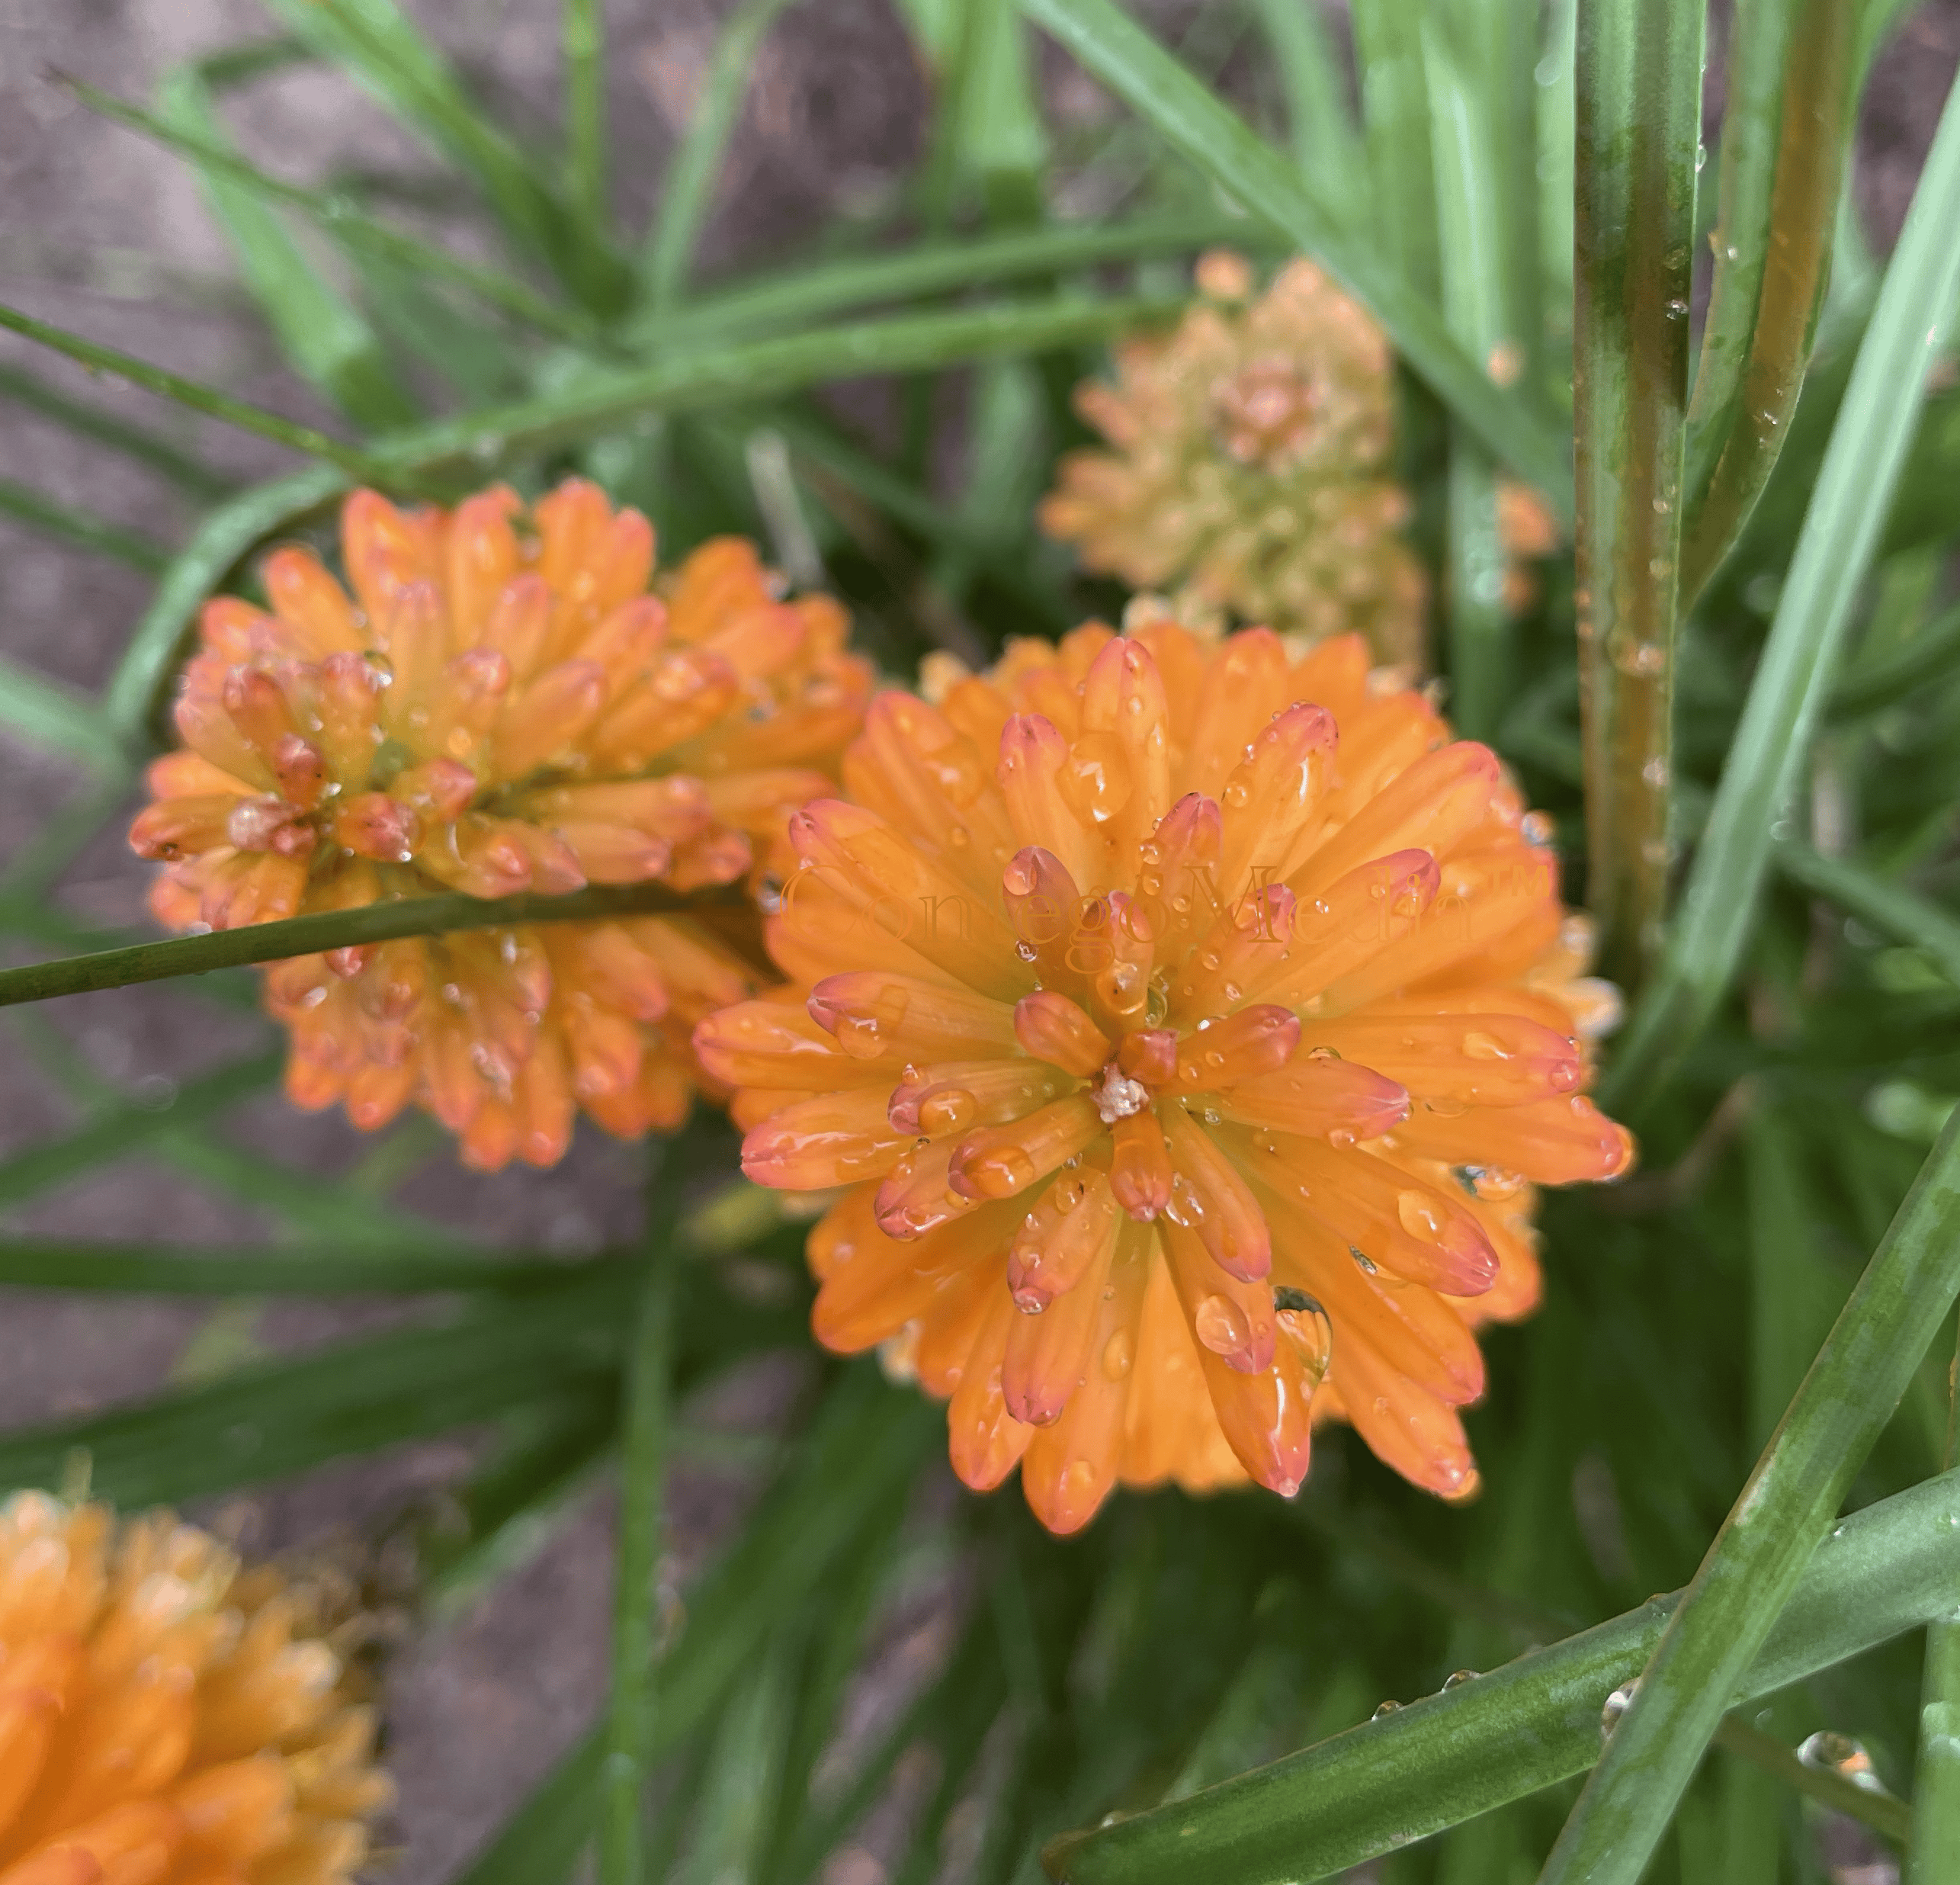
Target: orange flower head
<point x="1190" y="1021"/>
<point x="1249" y="469"/>
<point x="508" y="701"/>
<point x="167" y="1718"/>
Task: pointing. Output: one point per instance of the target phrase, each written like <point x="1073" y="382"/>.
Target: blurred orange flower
<point x="1250" y="467"/>
<point x="1191" y="1021"/>
<point x="166" y="1718"/>
<point x="501" y="705"/>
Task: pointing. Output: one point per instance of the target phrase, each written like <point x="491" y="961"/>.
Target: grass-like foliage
<point x="1739" y="695"/>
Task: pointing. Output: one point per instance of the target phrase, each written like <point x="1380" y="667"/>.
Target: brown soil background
<point x="103" y="234"/>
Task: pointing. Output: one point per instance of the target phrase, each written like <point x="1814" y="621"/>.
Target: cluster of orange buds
<point x="509" y="700"/>
<point x="1191" y="1024"/>
<point x="168" y="1718"/>
<point x="1250" y="473"/>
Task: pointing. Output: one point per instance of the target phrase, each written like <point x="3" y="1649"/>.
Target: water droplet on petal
<point x="1220" y="1324"/>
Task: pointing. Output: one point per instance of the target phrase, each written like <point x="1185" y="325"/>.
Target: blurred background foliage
<point x="861" y="1674"/>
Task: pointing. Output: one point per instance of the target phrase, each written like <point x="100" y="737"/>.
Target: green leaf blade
<point x="322" y="335"/>
<point x="1758" y="1557"/>
<point x="1449" y="1757"/>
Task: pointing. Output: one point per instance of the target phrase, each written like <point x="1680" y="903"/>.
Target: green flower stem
<point x="340" y="218"/>
<point x="1798" y="670"/>
<point x="1112" y="46"/>
<point x="643" y="1441"/>
<point x="1534" y="1722"/>
<point x="200" y="398"/>
<point x="1888" y="907"/>
<point x="1759" y="1556"/>
<point x="582" y="45"/>
<point x="1935" y="1807"/>
<point x="1639" y="123"/>
<point x="337" y="929"/>
<point x="1778" y="256"/>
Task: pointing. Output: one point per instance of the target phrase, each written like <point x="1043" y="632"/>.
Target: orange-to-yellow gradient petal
<point x="1189" y="1049"/>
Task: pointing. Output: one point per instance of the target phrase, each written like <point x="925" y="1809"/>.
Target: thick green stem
<point x="1639" y="111"/>
<point x="1798" y="670"/>
<point x="1772" y="260"/>
<point x="1536" y="1721"/>
<point x="1759" y="1556"/>
<point x="335" y="929"/>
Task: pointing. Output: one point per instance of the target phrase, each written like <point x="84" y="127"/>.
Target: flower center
<point x="1266" y="411"/>
<point x="1116" y="1096"/>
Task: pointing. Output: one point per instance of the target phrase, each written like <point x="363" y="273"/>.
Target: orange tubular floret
<point x="1195" y="1092"/>
<point x="503" y="705"/>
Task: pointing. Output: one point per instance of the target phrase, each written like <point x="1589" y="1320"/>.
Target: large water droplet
<point x="950" y="1111"/>
<point x="1000" y="1172"/>
<point x="1118" y="1353"/>
<point x="1221" y="1325"/>
<point x="1095" y="781"/>
<point x="1419" y="1216"/>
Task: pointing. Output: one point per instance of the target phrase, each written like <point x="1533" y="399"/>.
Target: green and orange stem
<point x="1639" y="110"/>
